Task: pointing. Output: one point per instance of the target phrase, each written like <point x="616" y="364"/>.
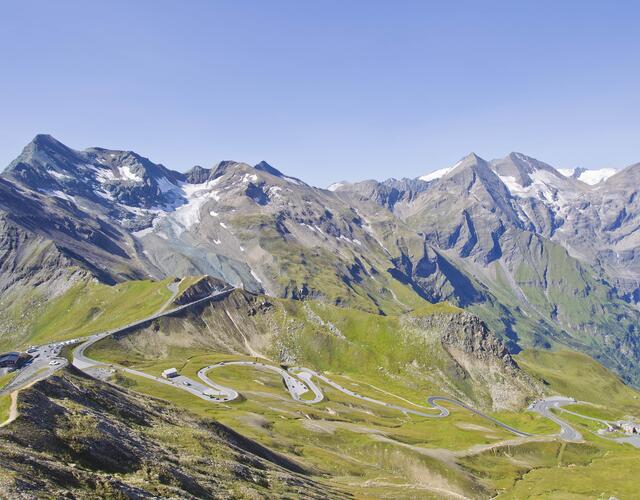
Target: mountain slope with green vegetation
<point x="349" y="439"/>
<point x="408" y="349"/>
<point x="576" y="375"/>
<point x="89" y="307"/>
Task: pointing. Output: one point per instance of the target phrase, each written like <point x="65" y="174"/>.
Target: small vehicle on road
<point x="54" y="362"/>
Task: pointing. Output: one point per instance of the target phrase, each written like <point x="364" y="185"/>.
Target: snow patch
<point x="335" y="186"/>
<point x="593" y="177"/>
<point x="62" y="195"/>
<point x="143" y="232"/>
<point x="58" y="175"/>
<point x="127" y="174"/>
<point x="567" y="172"/>
<point x="436" y="174"/>
<point x="249" y="177"/>
<point x="103" y="174"/>
<point x="545" y="186"/>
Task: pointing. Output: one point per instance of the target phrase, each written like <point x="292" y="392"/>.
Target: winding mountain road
<point x="297" y="380"/>
<point x="83" y="362"/>
<point x="47" y="360"/>
<point x="305" y="383"/>
<point x="544" y="406"/>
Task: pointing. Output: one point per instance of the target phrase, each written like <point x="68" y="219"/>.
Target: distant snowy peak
<point x="540" y="184"/>
<point x="591" y="177"/>
<point x="472" y="160"/>
<point x="437" y="174"/>
<point x="336" y="185"/>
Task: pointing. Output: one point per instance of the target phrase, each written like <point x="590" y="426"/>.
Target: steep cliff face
<point x="469" y="334"/>
<point x="482" y="358"/>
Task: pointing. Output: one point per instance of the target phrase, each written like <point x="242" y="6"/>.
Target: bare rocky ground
<point x="80" y="438"/>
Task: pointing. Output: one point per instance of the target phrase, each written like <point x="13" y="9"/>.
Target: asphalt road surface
<point x="45" y="362"/>
<point x="46" y="358"/>
<point x="544" y="406"/>
<point x="180" y="382"/>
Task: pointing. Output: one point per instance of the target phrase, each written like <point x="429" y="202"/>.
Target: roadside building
<point x="170" y="373"/>
<point x="630" y="427"/>
<point x="9" y="359"/>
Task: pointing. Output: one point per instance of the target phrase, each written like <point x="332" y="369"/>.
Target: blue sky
<point x="325" y="90"/>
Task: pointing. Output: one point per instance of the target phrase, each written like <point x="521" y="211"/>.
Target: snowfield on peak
<point x="436" y="174"/>
<point x="590" y="177"/>
<point x="127" y="174"/>
<point x="545" y="186"/>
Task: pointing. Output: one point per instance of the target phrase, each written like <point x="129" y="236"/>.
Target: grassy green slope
<point x="6" y="378"/>
<point x="90" y="307"/>
<point x="598" y="468"/>
<point x="573" y="374"/>
<point x="5" y="405"/>
<point x="351" y="278"/>
<point x="385" y="351"/>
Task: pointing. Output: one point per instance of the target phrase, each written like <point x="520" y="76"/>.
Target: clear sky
<point x="325" y="90"/>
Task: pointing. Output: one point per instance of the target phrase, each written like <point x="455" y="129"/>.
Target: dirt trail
<point x="13" y="409"/>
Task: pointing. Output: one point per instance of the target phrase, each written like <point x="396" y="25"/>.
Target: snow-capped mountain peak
<point x="590" y="177"/>
<point x="441" y="172"/>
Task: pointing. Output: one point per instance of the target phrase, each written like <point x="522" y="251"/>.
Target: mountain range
<point x="546" y="257"/>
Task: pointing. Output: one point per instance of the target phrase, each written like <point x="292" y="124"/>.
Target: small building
<point x="9" y="359"/>
<point x="170" y="373"/>
<point x="630" y="427"/>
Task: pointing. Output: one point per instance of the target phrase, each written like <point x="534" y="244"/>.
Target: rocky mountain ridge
<point x="543" y="258"/>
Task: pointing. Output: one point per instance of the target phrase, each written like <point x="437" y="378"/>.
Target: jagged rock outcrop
<point x="480" y="356"/>
<point x="202" y="288"/>
<point x="469" y="334"/>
